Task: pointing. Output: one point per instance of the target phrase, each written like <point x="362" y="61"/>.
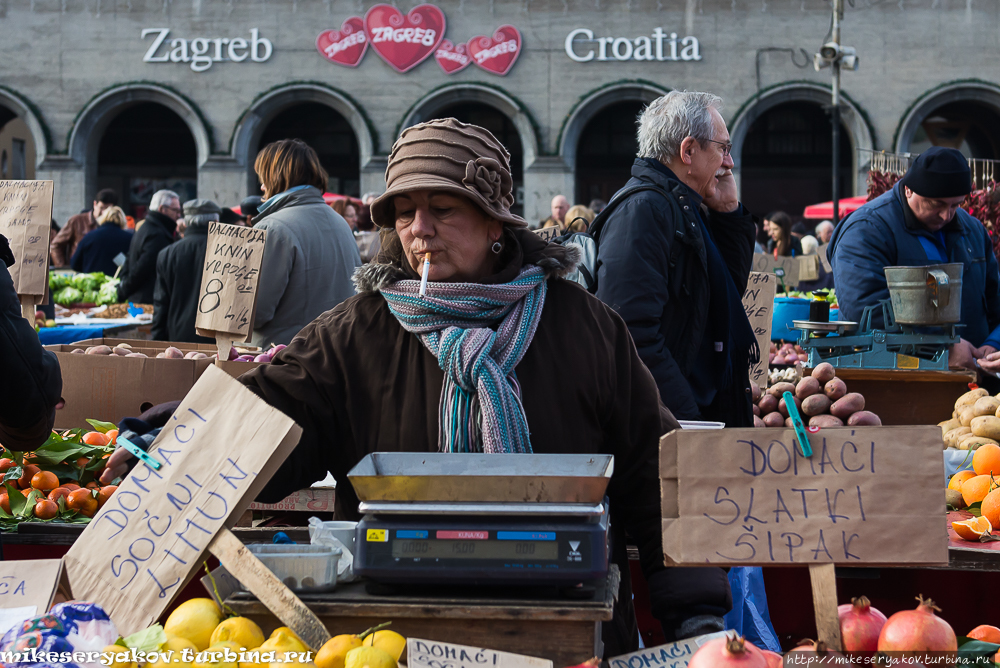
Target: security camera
<point x="830" y="51"/>
<point x="819" y="62"/>
<point x="849" y="58"/>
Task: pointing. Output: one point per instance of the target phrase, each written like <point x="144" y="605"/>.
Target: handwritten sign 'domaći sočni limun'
<point x="868" y="495"/>
<point x="228" y="297"/>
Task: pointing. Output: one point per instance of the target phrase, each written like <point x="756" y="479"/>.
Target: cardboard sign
<point x="824" y="260"/>
<point x="548" y="233"/>
<point x="228" y="298"/>
<point x="787" y="268"/>
<point x="150" y="538"/>
<point x="25" y="219"/>
<point x="435" y="654"/>
<point x="27" y="589"/>
<point x="808" y="267"/>
<point x="867" y="496"/>
<point x="758" y="301"/>
<point x="672" y="655"/>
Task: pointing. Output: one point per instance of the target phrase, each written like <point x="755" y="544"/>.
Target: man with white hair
<point x="139" y="271"/>
<point x="824" y="232"/>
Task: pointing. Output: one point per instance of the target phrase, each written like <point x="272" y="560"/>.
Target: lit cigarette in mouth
<point x="423" y="278"/>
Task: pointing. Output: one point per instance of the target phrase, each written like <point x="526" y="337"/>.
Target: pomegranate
<point x="917" y="630"/>
<point x="729" y="652"/>
<point x="774" y="659"/>
<point x="860" y="625"/>
<point x="816" y="651"/>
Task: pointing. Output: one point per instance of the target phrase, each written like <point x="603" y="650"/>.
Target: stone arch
<point x="957" y="91"/>
<point x="20" y="106"/>
<point x="427" y="107"/>
<point x="852" y="118"/>
<point x="593" y="103"/>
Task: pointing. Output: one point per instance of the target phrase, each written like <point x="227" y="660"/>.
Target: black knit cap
<point x="939" y="172"/>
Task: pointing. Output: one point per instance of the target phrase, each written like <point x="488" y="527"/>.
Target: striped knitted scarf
<point x="480" y="409"/>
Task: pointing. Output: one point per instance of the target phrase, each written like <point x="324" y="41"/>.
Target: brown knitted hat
<point x="451" y="156"/>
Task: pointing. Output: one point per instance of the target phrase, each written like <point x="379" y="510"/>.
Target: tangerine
<point x="60" y="491"/>
<point x="986" y="633"/>
<point x="91" y="485"/>
<point x="5" y="464"/>
<point x="46" y="510"/>
<point x="70" y="486"/>
<point x="960" y="477"/>
<point x="112" y="436"/>
<point x="104" y="494"/>
<point x="82" y="500"/>
<point x="975" y="489"/>
<point x="45" y="481"/>
<point x="972" y="528"/>
<point x="4" y="502"/>
<point x="97" y="438"/>
<point x="82" y="461"/>
<point x="26" y="492"/>
<point x="28" y="473"/>
<point x="986" y="460"/>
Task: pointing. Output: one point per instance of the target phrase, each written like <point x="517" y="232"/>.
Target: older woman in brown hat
<point x="498" y="355"/>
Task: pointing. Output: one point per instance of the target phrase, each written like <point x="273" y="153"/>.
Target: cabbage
<point x="58" y="281"/>
<point x="84" y="282"/>
<point x="89" y="297"/>
<point x="108" y="293"/>
<point x="68" y="296"/>
<point x="100" y="277"/>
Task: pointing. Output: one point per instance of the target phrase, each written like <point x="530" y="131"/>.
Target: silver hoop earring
<point x="496" y="247"/>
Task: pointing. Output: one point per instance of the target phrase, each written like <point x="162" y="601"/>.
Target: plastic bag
<point x="749" y="615"/>
<point x="320" y="533"/>
<point x="70" y="627"/>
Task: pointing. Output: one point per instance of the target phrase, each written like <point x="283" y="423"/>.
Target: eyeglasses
<point x="727" y="146"/>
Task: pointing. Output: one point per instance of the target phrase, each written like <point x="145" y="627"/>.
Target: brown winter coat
<point x="357" y="382"/>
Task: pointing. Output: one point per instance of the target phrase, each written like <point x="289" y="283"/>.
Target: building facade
<point x="143" y="94"/>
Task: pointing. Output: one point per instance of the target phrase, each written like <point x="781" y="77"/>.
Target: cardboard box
<point x="314" y="499"/>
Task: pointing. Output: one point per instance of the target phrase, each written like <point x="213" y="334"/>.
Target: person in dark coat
<point x="32" y="381"/>
<point x="98" y="250"/>
<point x="674" y="263"/>
<point x="178" y="276"/>
<point x="64" y="243"/>
<point x="138" y="276"/>
<point x="919" y="223"/>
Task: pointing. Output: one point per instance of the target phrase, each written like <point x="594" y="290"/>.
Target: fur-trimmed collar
<point x="555" y="259"/>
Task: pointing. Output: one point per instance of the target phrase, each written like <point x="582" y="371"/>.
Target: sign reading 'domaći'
<point x="202" y="52"/>
<point x="581" y="43"/>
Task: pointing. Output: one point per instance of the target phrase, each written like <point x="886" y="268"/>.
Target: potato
<point x="136" y="355"/>
<point x="784" y="409"/>
<point x="864" y="419"/>
<point x="817" y="404"/>
<point x="966" y="415"/>
<point x="200" y="356"/>
<point x="952" y="438"/>
<point x="970" y="397"/>
<point x="835" y="389"/>
<point x="847" y="405"/>
<point x="779" y="389"/>
<point x="756" y="410"/>
<point x="768" y="404"/>
<point x="755" y="392"/>
<point x="825" y="421"/>
<point x="807" y="387"/>
<point x="78" y="351"/>
<point x="948" y="425"/>
<point x="986" y="406"/>
<point x="789" y="423"/>
<point x="161" y="356"/>
<point x="973" y="442"/>
<point x="773" y="420"/>
<point x="986" y="425"/>
<point x="824" y="373"/>
<point x="99" y="350"/>
<point x="757" y="422"/>
<point x="173" y="353"/>
<point x="121" y="351"/>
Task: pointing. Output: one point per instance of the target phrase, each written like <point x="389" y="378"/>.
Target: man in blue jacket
<point x="919" y="223"/>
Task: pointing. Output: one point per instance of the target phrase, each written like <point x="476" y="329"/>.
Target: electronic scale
<point x="482" y="519"/>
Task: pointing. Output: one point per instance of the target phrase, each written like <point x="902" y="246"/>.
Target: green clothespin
<point x="800" y="428"/>
<point x="136" y="451"/>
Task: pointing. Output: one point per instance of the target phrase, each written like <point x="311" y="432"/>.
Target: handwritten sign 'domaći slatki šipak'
<point x="228" y="297"/>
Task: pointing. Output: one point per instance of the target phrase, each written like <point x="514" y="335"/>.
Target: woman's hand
<point x="117" y="466"/>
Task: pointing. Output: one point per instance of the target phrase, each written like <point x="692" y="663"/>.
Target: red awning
<point x="824" y="211"/>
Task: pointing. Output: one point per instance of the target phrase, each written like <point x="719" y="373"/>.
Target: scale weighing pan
<point x="481" y="478"/>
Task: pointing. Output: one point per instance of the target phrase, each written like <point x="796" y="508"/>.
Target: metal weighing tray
<point x="481" y="478"/>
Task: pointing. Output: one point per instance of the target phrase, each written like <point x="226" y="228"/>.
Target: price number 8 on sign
<point x="228" y="297"/>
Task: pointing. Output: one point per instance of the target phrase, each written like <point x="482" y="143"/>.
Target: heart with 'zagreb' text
<point x="404" y="41"/>
<point x="452" y="57"/>
<point x="346" y="46"/>
<point x="496" y="54"/>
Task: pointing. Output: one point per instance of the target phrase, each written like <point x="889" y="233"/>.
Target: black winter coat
<point x="178" y="283"/>
<point x="652" y="269"/>
<point x="32" y="381"/>
<point x="139" y="273"/>
<point x="99" y="248"/>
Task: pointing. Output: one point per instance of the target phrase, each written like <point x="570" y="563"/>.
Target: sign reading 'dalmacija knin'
<point x="583" y="47"/>
<point x="202" y="52"/>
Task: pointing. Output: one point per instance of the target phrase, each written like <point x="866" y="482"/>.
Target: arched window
<point x="606" y="151"/>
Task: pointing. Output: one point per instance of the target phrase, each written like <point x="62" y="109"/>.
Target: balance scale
<point x="859" y="346"/>
<point x="482" y="519"/>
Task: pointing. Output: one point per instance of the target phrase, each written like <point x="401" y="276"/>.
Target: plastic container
<point x="303" y="568"/>
<point x="786" y="310"/>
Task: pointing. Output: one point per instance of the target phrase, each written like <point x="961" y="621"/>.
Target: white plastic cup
<point x="344" y="532"/>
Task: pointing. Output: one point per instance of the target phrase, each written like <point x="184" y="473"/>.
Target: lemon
<point x="172" y="653"/>
<point x="373" y="657"/>
<point x="195" y="620"/>
<point x="282" y="640"/>
<point x="390" y="641"/>
<point x="112" y="651"/>
<point x="214" y="656"/>
<point x="240" y="630"/>
<point x="334" y="651"/>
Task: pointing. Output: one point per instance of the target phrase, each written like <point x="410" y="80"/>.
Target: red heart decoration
<point x="346" y="46"/>
<point x="404" y="41"/>
<point x="496" y="54"/>
<point x="452" y="58"/>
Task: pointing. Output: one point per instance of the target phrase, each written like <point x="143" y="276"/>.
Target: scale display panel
<point x="475" y="549"/>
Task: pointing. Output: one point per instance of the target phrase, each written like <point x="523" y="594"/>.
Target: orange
<point x="5" y="464"/>
<point x="70" y="486"/>
<point x="28" y="473"/>
<point x="104" y="494"/>
<point x="990" y="509"/>
<point x="986" y="460"/>
<point x="97" y="438"/>
<point x="960" y="477"/>
<point x="972" y="528"/>
<point x="45" y="481"/>
<point x="985" y="632"/>
<point x="975" y="489"/>
<point x="26" y="491"/>
<point x="82" y="500"/>
<point x="112" y="436"/>
<point x="91" y="485"/>
<point x="5" y="502"/>
<point x="82" y="461"/>
<point x="46" y="510"/>
<point x="58" y="492"/>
